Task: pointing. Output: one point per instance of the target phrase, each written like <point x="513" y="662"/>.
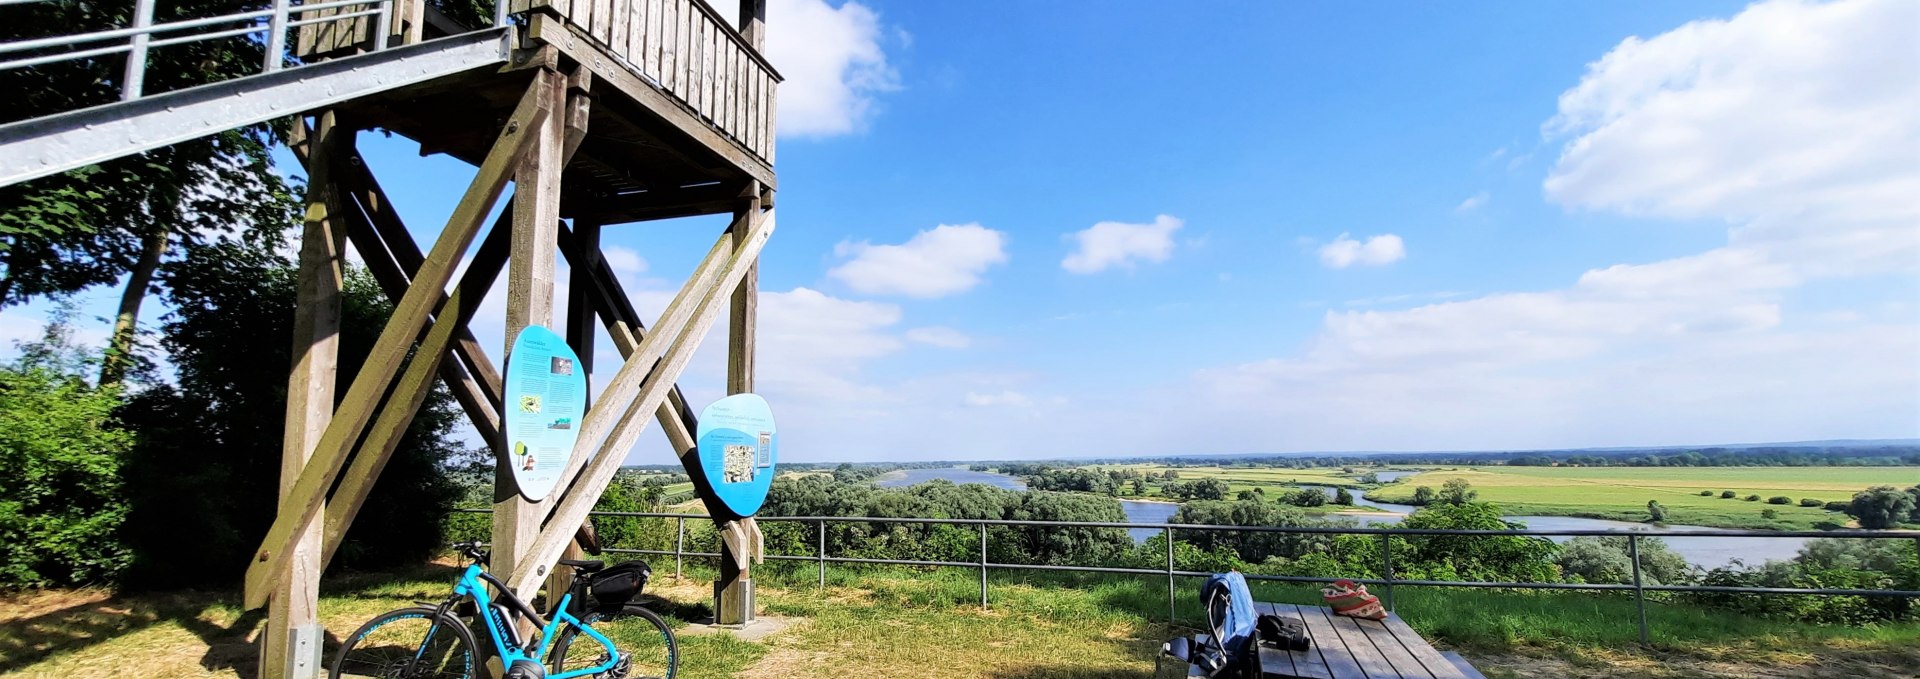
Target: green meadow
<point x="1622" y="493"/>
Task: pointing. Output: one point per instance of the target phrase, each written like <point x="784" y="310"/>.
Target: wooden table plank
<point x="1309" y="663"/>
<point x="1437" y="664"/>
<point x="1333" y="649"/>
<point x="1393" y="650"/>
<point x="1364" y="653"/>
<point x="1274" y="660"/>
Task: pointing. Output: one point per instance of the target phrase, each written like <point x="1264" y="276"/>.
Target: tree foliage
<point x="206" y="469"/>
<point x="60" y="506"/>
<point x="1882" y="507"/>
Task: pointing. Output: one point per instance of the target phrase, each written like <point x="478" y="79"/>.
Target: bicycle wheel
<point x="641" y="636"/>
<point x="410" y="643"/>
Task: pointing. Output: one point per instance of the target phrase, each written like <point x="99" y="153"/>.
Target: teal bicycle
<point x="436" y="640"/>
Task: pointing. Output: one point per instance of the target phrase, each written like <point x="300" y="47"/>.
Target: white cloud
<point x="1109" y="244"/>
<point x="1005" y="398"/>
<point x="940" y="336"/>
<point x="1375" y="251"/>
<point x="1796" y="121"/>
<point x="623" y="259"/>
<point x="941" y="261"/>
<point x="833" y="62"/>
<point x="1473" y="202"/>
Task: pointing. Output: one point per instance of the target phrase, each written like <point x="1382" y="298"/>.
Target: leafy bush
<point x="1608" y="560"/>
<point x="1726" y="495"/>
<point x="60" y="497"/>
<point x="1706" y="493"/>
<point x="1753" y="498"/>
<point x="1769" y="514"/>
<point x="1881" y="507"/>
<point x="1779" y="500"/>
<point x="1810" y="502"/>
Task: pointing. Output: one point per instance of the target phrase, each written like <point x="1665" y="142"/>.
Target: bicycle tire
<point x="649" y="667"/>
<point x="460" y="641"/>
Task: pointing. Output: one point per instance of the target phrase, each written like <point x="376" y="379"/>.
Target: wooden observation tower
<point x="600" y="112"/>
<point x="604" y="112"/>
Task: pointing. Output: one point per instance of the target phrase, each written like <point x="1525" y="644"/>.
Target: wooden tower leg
<point x="530" y="271"/>
<point x="290" y="645"/>
<point x="733" y="592"/>
<point x="581" y="322"/>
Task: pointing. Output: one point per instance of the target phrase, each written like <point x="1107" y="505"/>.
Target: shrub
<point x="1655" y="512"/>
<point x="1753" y="498"/>
<point x="1881" y="507"/>
<point x="1706" y="493"/>
<point x="1810" y="502"/>
<point x="1769" y="513"/>
<point x="60" y="498"/>
<point x="1422" y="496"/>
<point x="1726" y="495"/>
<point x="1837" y="506"/>
<point x="1779" y="500"/>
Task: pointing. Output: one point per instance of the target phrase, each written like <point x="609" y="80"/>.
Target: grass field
<point x="1270" y="479"/>
<point x="1622" y="492"/>
<point x="910" y="622"/>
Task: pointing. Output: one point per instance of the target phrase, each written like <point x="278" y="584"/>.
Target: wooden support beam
<point x="530" y="272"/>
<point x="409" y="317"/>
<point x="626" y="383"/>
<point x="469" y="374"/>
<point x="408" y="394"/>
<point x="291" y="643"/>
<point x="733" y="590"/>
<point x="680" y="339"/>
<point x="624" y="326"/>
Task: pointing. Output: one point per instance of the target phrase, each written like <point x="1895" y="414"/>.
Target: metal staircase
<point x="140" y="122"/>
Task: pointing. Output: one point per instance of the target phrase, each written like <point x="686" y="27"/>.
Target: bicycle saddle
<point x="584" y="565"/>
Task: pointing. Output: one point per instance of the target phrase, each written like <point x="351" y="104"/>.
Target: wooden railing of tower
<point x="687" y="49"/>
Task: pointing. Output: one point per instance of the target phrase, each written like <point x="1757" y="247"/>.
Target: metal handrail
<point x="1638" y="586"/>
<point x="142" y="34"/>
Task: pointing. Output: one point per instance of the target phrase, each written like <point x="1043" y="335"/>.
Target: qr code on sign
<point x="739" y="464"/>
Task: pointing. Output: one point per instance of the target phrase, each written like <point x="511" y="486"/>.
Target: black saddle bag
<point x="619" y="583"/>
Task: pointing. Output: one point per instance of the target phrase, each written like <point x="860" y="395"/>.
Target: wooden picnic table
<point x="1351" y="648"/>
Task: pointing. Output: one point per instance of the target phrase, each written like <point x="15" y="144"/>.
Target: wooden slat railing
<point x="690" y="51"/>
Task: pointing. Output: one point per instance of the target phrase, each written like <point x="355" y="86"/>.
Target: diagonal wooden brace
<point x="652" y="392"/>
<point x="303" y="503"/>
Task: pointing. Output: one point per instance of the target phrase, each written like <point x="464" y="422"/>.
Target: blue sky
<point x="1027" y="230"/>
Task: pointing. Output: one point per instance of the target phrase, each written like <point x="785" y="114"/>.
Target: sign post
<point x="738" y="446"/>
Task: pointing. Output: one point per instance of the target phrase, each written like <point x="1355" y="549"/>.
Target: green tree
<point x="1342" y="497"/>
<point x="1457" y="492"/>
<point x="129" y="216"/>
<point x="60" y="497"/>
<point x="1422" y="496"/>
<point x="202" y="480"/>
<point x="1655" y="512"/>
<point x="1881" y="507"/>
<point x="1726" y="495"/>
<point x="1514" y="558"/>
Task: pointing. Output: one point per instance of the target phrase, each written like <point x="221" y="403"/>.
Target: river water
<point x="1707" y="552"/>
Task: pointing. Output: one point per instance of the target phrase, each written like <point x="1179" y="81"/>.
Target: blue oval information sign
<point x="737" y="443"/>
<point x="546" y="395"/>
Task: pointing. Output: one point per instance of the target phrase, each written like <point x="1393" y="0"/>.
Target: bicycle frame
<point x="473" y="584"/>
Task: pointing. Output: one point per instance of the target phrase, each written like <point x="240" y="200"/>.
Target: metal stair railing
<point x="140" y="121"/>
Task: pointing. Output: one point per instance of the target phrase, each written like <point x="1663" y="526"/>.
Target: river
<point x="1707" y="552"/>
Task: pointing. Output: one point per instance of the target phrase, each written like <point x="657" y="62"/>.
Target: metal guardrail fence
<point x="1639" y="587"/>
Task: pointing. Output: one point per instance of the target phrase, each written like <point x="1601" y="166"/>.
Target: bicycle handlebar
<point x="473" y="550"/>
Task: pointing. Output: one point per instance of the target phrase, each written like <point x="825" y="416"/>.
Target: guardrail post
<point x="1639" y="594"/>
<point x="679" y="539"/>
<point x="823" y="554"/>
<point x="383" y="25"/>
<point x="1169" y="534"/>
<point x="136" y="73"/>
<point x="1386" y="560"/>
<point x="983" y="565"/>
<point x="500" y="13"/>
<point x="276" y="37"/>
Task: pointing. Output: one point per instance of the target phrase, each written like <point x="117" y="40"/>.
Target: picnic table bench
<point x="1351" y="648"/>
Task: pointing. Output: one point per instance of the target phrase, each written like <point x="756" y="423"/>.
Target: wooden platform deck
<point x="1348" y="648"/>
